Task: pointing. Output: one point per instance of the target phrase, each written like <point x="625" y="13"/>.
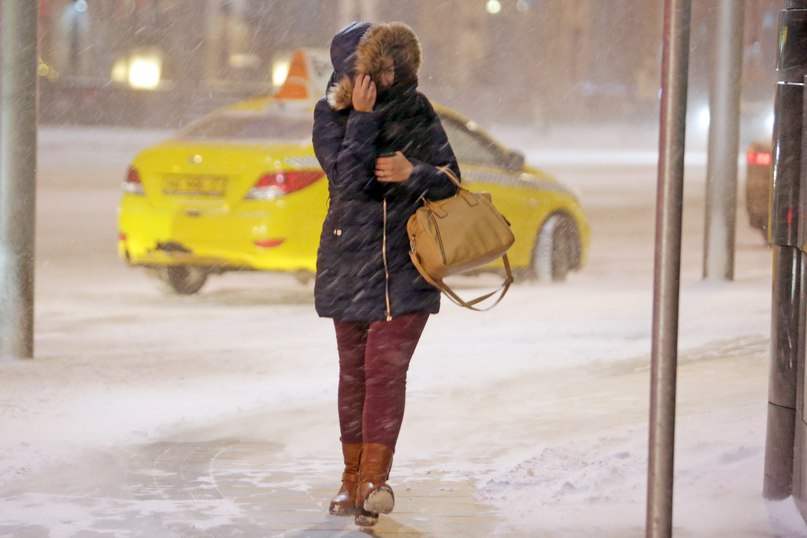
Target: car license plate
<point x="187" y="185"/>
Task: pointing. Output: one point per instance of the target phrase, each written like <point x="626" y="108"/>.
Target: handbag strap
<point x="456" y="299"/>
<point x="451" y="175"/>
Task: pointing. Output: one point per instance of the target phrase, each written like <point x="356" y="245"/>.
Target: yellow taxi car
<point x="241" y="189"/>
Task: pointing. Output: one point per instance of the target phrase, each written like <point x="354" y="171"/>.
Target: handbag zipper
<point x="386" y="266"/>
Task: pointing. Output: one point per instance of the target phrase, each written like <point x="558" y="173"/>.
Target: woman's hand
<point x="364" y="93"/>
<point x="394" y="169"/>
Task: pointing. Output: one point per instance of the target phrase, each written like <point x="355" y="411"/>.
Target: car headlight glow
<point x="703" y="118"/>
<point x="769" y="122"/>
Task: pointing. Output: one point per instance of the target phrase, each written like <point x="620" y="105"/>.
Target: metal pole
<point x="777" y="481"/>
<point x="724" y="135"/>
<point x="18" y="114"/>
<point x="348" y="12"/>
<point x="674" y="71"/>
<point x="787" y="308"/>
<point x="369" y="10"/>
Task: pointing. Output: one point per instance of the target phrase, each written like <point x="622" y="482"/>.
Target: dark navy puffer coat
<point x="366" y="220"/>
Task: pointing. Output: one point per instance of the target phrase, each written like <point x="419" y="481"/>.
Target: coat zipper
<point x="386" y="266"/>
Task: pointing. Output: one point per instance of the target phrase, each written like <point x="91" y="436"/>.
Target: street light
<point x="144" y="71"/>
<point x="493" y="7"/>
<point x="141" y="70"/>
<point x="280" y="69"/>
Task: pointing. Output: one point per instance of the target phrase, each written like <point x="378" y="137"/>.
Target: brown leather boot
<point x="344" y="503"/>
<point x="374" y="496"/>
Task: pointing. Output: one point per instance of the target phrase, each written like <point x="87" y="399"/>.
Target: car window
<point x="251" y="126"/>
<point x="470" y="147"/>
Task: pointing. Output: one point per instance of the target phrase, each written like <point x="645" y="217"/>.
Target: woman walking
<point x="380" y="143"/>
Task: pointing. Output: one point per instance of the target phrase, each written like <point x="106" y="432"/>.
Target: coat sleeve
<point x="426" y="180"/>
<point x="346" y="152"/>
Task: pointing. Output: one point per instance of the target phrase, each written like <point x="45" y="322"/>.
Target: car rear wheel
<point x="183" y="279"/>
<point x="556" y="250"/>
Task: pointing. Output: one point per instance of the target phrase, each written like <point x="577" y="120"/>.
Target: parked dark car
<point x="759" y="167"/>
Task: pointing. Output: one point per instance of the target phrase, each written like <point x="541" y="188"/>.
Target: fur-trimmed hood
<point x="362" y="47"/>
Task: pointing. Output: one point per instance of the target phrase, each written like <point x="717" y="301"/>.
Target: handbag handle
<point x="451" y="175"/>
<point x="456" y="299"/>
<point x="462" y="191"/>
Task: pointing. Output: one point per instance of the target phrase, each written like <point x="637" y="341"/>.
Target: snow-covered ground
<point x="543" y="401"/>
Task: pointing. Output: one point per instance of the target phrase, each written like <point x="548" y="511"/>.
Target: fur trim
<point x="394" y="38"/>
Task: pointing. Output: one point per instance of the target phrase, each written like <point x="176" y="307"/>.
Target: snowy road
<point x="540" y="404"/>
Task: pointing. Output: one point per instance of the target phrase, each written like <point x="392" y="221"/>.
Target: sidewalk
<point x="222" y="489"/>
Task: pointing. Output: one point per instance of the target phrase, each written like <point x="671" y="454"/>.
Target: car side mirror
<point x="515" y="161"/>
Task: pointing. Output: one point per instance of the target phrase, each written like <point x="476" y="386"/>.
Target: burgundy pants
<point x="373" y="361"/>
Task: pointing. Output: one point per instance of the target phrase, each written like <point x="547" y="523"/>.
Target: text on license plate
<point x="194" y="185"/>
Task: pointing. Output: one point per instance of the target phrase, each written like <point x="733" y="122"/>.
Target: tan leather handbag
<point x="456" y="235"/>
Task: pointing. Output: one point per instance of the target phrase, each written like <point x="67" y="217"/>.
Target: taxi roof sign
<point x="309" y="72"/>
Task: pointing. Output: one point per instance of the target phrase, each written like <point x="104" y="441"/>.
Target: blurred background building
<point x="165" y="62"/>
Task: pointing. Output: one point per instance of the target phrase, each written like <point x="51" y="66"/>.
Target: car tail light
<point x="133" y="184"/>
<point x="268" y="243"/>
<point x="272" y="186"/>
<point x="759" y="158"/>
